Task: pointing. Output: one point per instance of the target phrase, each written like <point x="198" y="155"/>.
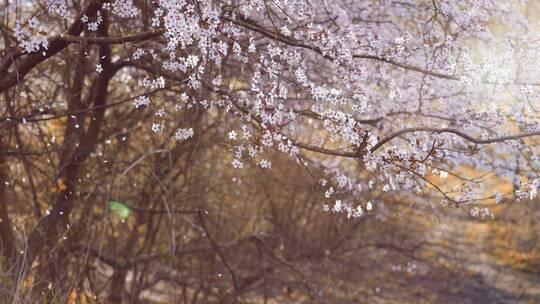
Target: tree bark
<point x="49" y="228"/>
<point x="6" y="232"/>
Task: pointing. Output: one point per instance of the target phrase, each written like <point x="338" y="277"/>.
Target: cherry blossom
<point x="412" y="92"/>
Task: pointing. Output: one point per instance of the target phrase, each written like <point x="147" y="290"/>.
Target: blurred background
<point x="100" y="203"/>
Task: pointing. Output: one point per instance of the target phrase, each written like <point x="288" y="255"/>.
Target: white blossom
<point x="265" y="164"/>
<point x="369" y="206"/>
<point x="232" y="135"/>
<point x="33" y="22"/>
<point x="497" y="196"/>
<point x="183" y="134"/>
<point x="157" y="127"/>
<point x="141" y="101"/>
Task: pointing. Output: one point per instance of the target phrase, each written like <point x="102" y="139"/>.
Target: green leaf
<point x="120" y="209"/>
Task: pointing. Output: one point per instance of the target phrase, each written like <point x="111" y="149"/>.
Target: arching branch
<point x="459" y="133"/>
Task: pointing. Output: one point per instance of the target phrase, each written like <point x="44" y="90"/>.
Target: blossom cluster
<point x="384" y="83"/>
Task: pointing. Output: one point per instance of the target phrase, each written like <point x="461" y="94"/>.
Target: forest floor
<point x="482" y="274"/>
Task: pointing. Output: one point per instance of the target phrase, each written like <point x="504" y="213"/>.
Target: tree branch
<point x="111" y="40"/>
<point x="55" y="46"/>
<point x="459" y="133"/>
<point x="252" y="25"/>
